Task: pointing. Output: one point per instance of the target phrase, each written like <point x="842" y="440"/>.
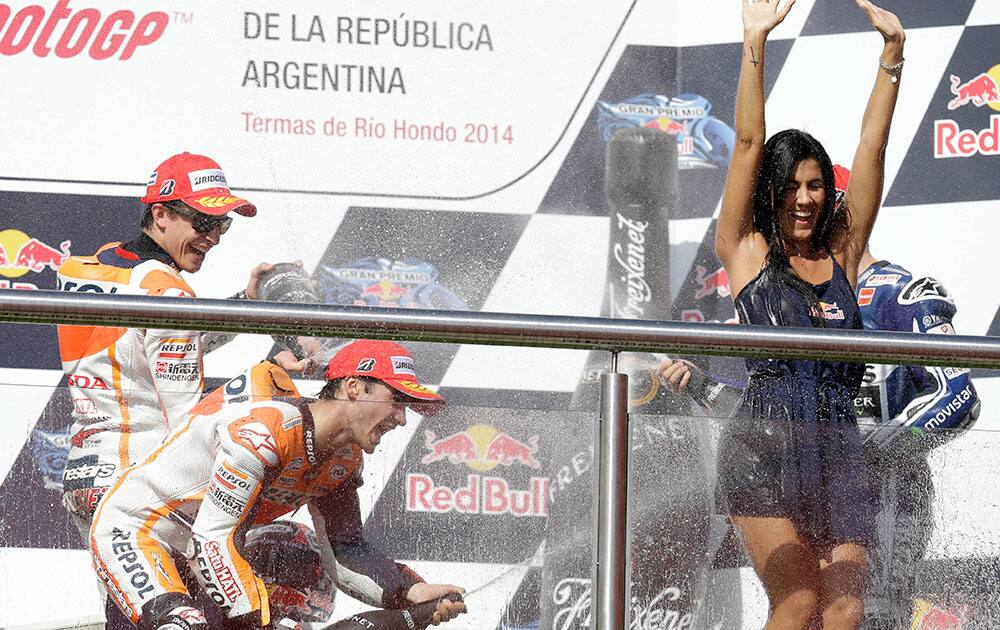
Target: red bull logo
<point x="385" y="293"/>
<point x="669" y="125"/>
<point x="716" y="283"/>
<point x="951" y="141"/>
<point x="480" y="495"/>
<point x="983" y="89"/>
<point x="20" y="254"/>
<point x="481" y="447"/>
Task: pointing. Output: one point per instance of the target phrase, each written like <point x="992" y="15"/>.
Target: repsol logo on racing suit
<point x="178" y="347"/>
<point x="128" y="558"/>
<point x="69" y="31"/>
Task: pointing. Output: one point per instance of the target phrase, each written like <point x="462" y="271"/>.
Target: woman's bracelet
<point x="892" y="71"/>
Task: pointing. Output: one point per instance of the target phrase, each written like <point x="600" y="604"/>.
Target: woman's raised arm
<point x="864" y="192"/>
<point x="736" y="218"/>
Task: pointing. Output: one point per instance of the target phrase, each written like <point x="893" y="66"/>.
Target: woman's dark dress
<point x="793" y="450"/>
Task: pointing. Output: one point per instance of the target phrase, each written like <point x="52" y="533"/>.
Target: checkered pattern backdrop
<point x="539" y="245"/>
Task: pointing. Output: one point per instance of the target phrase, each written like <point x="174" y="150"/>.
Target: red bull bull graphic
<point x="457" y="449"/>
<point x="21" y="254"/>
<point x="715" y="283"/>
<point x="481" y="447"/>
<point x="983" y="89"/>
<point x="953" y="141"/>
<point x="703" y="141"/>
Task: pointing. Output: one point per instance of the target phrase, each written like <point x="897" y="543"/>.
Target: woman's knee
<point x="799" y="607"/>
<point x="843" y="613"/>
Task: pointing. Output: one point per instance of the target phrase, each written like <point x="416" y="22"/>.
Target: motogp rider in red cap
<point x="233" y="465"/>
<point x="132" y="386"/>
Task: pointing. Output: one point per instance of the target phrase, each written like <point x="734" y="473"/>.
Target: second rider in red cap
<point x="233" y="465"/>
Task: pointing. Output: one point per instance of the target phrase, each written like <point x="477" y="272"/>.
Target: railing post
<point x="611" y="452"/>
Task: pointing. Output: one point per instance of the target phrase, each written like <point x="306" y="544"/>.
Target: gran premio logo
<point x="68" y="31"/>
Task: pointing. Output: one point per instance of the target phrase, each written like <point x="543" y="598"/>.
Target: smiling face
<point x="375" y="410"/>
<point x="802" y="201"/>
<point x="177" y="236"/>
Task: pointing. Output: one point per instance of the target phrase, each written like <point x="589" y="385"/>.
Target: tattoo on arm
<point x="753" y="59"/>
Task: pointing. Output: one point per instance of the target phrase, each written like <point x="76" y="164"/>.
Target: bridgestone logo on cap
<point x="403" y="365"/>
<point x="207" y="178"/>
<point x="365" y="365"/>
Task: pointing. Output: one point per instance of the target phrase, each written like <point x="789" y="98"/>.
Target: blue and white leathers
<point x="904" y="411"/>
<point x="899" y="400"/>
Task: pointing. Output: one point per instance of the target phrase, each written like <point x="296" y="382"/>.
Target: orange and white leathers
<point x="252" y="461"/>
<point x="129" y="386"/>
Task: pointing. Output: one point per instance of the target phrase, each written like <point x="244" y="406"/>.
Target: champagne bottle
<point x="670" y="495"/>
<point x="415" y="617"/>
<point x="287" y="282"/>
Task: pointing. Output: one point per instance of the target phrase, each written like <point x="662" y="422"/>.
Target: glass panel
<point x="495" y="494"/>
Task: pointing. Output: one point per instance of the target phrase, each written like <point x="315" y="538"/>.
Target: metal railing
<point x="551" y="331"/>
<point x="610" y="601"/>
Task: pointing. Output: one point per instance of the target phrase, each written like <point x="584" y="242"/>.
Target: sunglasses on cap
<point x="202" y="223"/>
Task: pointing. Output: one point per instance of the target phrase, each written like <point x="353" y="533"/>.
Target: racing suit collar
<point x="875" y="266"/>
<point x="146" y="248"/>
<point x="308" y="428"/>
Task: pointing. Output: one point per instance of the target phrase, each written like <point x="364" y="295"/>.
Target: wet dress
<point x="793" y="449"/>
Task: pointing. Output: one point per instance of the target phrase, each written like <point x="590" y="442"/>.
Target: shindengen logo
<point x="67" y="31"/>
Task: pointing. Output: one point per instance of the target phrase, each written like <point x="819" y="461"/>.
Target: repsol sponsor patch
<point x="131" y="570"/>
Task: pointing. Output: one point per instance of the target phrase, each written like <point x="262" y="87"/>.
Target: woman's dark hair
<point x="782" y="152"/>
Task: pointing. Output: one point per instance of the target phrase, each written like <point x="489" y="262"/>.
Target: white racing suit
<point x="130" y="386"/>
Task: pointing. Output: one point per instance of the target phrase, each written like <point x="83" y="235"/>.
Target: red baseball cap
<point x="388" y="362"/>
<point x="199" y="182"/>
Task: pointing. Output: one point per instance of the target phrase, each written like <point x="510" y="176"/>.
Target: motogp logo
<point x="69" y="31"/>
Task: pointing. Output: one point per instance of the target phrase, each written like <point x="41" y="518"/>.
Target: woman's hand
<point x="675" y="374"/>
<point x="761" y="16"/>
<point x="885" y="22"/>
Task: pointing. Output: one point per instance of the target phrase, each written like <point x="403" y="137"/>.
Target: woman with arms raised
<point x="790" y="465"/>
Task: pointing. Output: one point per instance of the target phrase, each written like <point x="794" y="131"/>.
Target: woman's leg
<point x="842" y="579"/>
<point x="786" y="566"/>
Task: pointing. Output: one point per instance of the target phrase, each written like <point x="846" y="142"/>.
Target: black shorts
<point x="762" y="472"/>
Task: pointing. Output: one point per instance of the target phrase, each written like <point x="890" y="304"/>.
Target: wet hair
<point x="329" y="390"/>
<point x="171" y="206"/>
<point x="782" y="153"/>
<point x="147" y="216"/>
